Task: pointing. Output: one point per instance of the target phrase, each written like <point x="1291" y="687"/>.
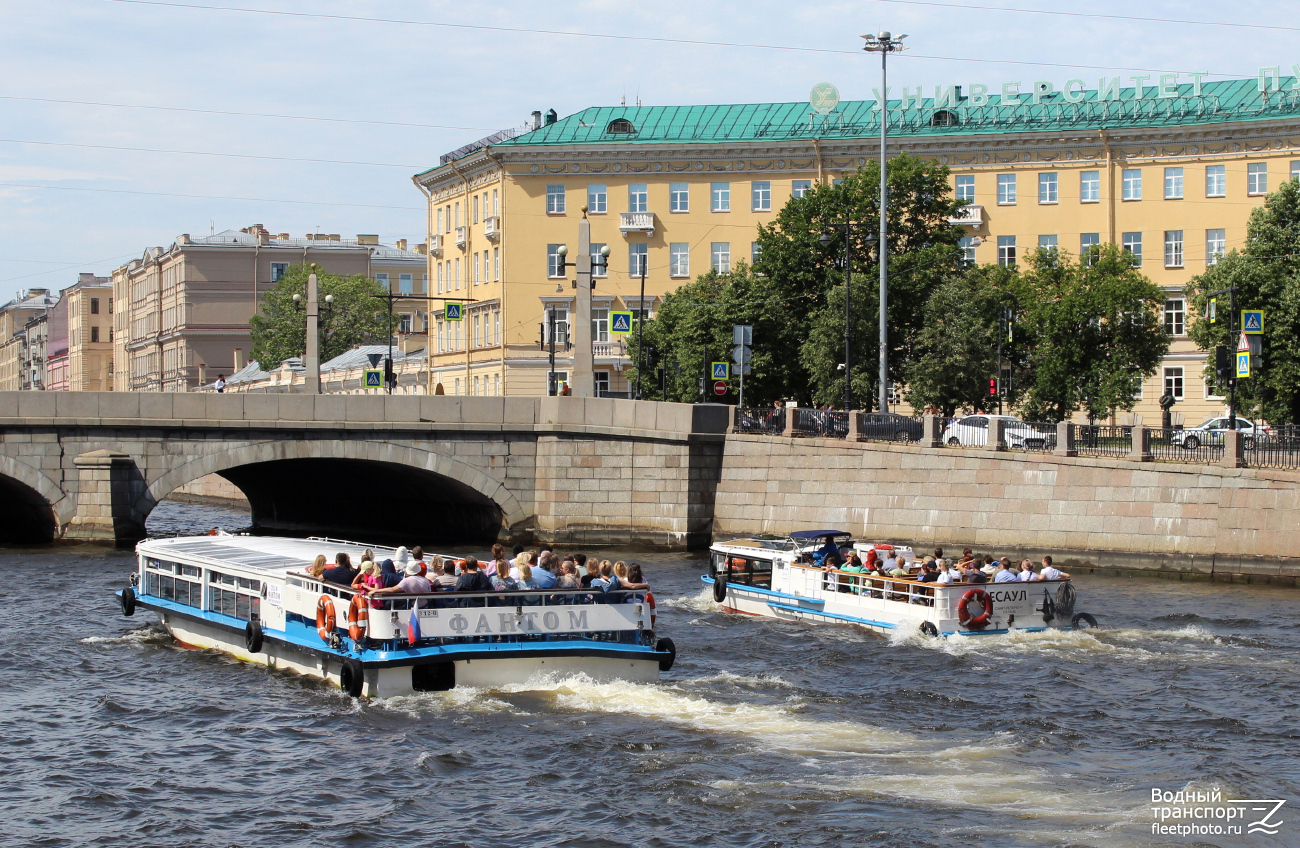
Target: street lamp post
<point x="884" y="43"/>
<point x="586" y="266"/>
<point x="825" y="241"/>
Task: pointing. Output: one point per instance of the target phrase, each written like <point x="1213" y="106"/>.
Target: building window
<point x="800" y="188"/>
<point x="1047" y="192"/>
<point x="755" y="252"/>
<point x="679" y="259"/>
<point x="1173" y="248"/>
<point x="1295" y="169"/>
<point x="1132" y="242"/>
<point x="1090" y="186"/>
<point x="457" y="266"/>
<point x="477" y="270"/>
<point x="554" y="262"/>
<point x="1006" y="250"/>
<point x="438" y="272"/>
<point x="762" y="196"/>
<point x="602" y="383"/>
<point x="1132" y="179"/>
<point x="458" y="213"/>
<point x="1048" y="243"/>
<point x="475" y="219"/>
<point x="424" y="284"/>
<point x="967" y="245"/>
<point x="554" y="200"/>
<point x="94" y="334"/>
<point x="496" y="326"/>
<point x="382" y="279"/>
<point x="496" y="385"/>
<point x="496" y="264"/>
<point x="637" y="259"/>
<point x="1174" y="382"/>
<point x="597" y="199"/>
<point x="599" y="265"/>
<point x="406" y="283"/>
<point x="1175" y="317"/>
<point x="600" y="324"/>
<point x="278" y="270"/>
<point x="638" y="198"/>
<point x="559" y="315"/>
<point x="1216" y="180"/>
<point x="720" y="257"/>
<point x="679" y="197"/>
<point x="94" y="306"/>
<point x="966" y="188"/>
<point x="1216" y="244"/>
<point x="438" y="229"/>
<point x="720" y="194"/>
<point x="496" y="203"/>
<point x="404" y="322"/>
<point x="1173" y="183"/>
<point x="1006" y="189"/>
<point x="1257" y="179"/>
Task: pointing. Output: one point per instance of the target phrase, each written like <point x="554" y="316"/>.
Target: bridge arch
<point x="284" y="478"/>
<point x="31" y="504"/>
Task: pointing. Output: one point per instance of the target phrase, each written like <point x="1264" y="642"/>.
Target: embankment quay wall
<point x="1187" y="520"/>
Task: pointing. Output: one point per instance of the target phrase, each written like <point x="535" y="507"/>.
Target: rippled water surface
<point x="764" y="734"/>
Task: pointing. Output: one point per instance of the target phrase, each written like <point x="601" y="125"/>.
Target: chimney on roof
<point x="367" y="238"/>
<point x="284" y="236"/>
<point x="335" y="237"/>
<point x="422" y="248"/>
<point x="239" y="359"/>
<point x="401" y="244"/>
<point x="537" y="119"/>
<point x="263" y="237"/>
<point x="551" y="117"/>
<point x="183" y="238"/>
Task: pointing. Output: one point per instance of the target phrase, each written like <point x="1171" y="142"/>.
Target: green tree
<point x="1266" y="275"/>
<point x="355" y="317"/>
<point x="794" y="295"/>
<point x="1092" y="332"/>
<point x="955" y="351"/>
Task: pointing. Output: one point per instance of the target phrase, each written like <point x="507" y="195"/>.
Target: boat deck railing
<point x="904" y="589"/>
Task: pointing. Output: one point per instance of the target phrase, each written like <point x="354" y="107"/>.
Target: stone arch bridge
<point x="92" y="465"/>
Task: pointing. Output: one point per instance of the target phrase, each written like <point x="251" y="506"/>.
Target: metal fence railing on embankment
<point x="764" y="420"/>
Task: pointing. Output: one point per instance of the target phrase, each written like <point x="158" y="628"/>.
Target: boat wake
<point x="702" y="602"/>
<point x="151" y="635"/>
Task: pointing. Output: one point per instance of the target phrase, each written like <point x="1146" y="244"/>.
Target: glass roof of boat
<point x="262" y="553"/>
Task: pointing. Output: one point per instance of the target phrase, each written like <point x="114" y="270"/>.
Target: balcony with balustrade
<point x="636" y="222"/>
<point x="492" y="227"/>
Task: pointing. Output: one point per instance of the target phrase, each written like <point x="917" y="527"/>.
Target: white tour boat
<point x="253" y="598"/>
<point x="779" y="578"/>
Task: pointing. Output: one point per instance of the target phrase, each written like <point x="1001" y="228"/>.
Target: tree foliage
<point x="794" y="294"/>
<point x="355" y="317"/>
<point x="1091" y="331"/>
<point x="1266" y="275"/>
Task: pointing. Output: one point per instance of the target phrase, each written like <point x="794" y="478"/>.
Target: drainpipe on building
<point x="1110" y="189"/>
<point x="466" y="253"/>
<point x="429" y="274"/>
<point x="501" y="246"/>
<point x="817" y="148"/>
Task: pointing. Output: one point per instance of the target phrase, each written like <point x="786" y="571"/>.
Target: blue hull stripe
<point x="835" y="615"/>
<point x="743" y="587"/>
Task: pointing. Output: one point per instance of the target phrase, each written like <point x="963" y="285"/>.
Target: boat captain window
<point x="173" y="582"/>
<point x="237" y="597"/>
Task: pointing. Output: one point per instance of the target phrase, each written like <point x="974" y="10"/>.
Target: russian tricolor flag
<point x="413" y="626"/>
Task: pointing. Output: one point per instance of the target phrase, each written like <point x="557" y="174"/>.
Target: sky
<point x="338" y="112"/>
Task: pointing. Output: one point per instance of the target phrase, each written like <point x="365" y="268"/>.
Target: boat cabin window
<point x="173" y="582"/>
<point x="748" y="571"/>
<point x="237" y="597"/>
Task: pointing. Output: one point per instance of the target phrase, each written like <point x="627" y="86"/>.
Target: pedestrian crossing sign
<point x="452" y="311"/>
<point x="620" y="323"/>
<point x="721" y="370"/>
<point x="1243" y="363"/>
<point x="372" y="378"/>
<point x="1252" y="322"/>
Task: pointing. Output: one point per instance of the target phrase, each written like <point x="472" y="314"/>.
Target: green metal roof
<point x="1219" y="102"/>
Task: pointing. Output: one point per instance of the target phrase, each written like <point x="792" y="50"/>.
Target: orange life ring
<point x="650" y="599"/>
<point x="326" y="620"/>
<point x="977" y="622"/>
<point x="358" y="617"/>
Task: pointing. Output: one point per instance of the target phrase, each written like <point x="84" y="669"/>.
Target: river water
<point x="763" y="734"/>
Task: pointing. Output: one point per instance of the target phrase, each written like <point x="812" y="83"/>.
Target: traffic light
<point x="993" y="387"/>
<point x="1222" y="365"/>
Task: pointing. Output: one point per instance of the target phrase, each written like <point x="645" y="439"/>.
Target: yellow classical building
<point x="1170" y="171"/>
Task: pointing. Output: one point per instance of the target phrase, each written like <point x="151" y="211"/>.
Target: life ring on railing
<point x="976" y="622"/>
<point x="326" y="620"/>
<point x="358" y="617"/>
<point x="650" y="599"/>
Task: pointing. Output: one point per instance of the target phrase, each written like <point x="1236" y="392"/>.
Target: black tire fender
<point x="928" y="629"/>
<point x="1088" y="621"/>
<point x="128" y="602"/>
<point x="665" y="644"/>
<point x="253" y="637"/>
<point x="352" y="678"/>
<point x="719" y="588"/>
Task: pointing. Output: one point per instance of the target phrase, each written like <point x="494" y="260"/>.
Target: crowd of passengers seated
<point x="409" y="573"/>
<point x="932" y="569"/>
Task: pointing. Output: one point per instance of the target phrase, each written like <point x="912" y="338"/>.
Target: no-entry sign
<point x="719" y="388"/>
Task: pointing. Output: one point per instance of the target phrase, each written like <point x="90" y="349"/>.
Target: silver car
<point x="1211" y="433"/>
<point x="973" y="430"/>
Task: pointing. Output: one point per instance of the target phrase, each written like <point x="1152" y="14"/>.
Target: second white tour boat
<point x="778" y="578"/>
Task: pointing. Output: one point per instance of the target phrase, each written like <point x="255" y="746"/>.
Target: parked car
<point x="883" y="426"/>
<point x="1211" y="433"/>
<point x="973" y="430"/>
